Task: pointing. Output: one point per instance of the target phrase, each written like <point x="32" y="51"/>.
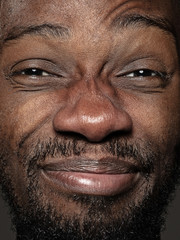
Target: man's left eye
<point x="142" y="73"/>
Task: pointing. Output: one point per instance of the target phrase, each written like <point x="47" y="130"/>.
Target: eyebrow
<point x="138" y="20"/>
<point x="45" y="30"/>
<point x="120" y="22"/>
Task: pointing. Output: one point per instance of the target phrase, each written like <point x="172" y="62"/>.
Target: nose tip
<point x="95" y="120"/>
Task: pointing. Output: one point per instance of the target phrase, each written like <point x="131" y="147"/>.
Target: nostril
<point x="97" y="129"/>
<point x="117" y="134"/>
<point x="72" y="135"/>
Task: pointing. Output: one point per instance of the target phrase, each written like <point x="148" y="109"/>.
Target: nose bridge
<point x="93" y="113"/>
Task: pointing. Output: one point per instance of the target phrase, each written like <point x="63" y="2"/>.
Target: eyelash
<point x="33" y="72"/>
<point x="144" y="73"/>
<point x="133" y="74"/>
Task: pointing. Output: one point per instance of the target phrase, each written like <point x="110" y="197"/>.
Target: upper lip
<point x="107" y="165"/>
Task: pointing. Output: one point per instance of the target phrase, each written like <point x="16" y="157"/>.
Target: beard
<point x="132" y="218"/>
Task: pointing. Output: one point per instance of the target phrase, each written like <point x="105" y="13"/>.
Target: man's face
<point x="90" y="116"/>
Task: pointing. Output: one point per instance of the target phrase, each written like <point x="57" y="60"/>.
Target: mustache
<point x="119" y="155"/>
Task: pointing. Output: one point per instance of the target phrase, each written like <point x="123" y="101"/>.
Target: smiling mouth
<point x="106" y="177"/>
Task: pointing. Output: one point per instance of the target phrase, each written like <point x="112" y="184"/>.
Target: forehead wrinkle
<point x="119" y="6"/>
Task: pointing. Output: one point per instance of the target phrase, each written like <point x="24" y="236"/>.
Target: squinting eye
<point x="34" y="72"/>
<point x="143" y="73"/>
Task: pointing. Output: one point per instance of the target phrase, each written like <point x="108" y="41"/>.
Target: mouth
<point x="104" y="177"/>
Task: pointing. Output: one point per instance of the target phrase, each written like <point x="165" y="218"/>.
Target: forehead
<point x="73" y="12"/>
<point x="86" y="16"/>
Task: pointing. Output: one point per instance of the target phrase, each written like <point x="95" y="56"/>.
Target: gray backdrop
<point x="172" y="231"/>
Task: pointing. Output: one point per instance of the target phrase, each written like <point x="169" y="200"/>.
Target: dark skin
<point x="100" y="74"/>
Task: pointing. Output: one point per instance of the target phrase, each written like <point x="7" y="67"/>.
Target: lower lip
<point x="92" y="183"/>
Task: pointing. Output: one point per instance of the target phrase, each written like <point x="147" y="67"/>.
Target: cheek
<point x="27" y="115"/>
<point x="151" y="120"/>
<point x="157" y="117"/>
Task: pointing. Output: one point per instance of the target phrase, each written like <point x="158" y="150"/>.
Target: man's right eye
<point x="34" y="72"/>
<point x="40" y="75"/>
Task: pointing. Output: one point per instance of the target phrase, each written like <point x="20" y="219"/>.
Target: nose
<point x="94" y="116"/>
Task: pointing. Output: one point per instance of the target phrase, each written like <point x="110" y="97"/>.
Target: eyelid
<point x="33" y="75"/>
<point x="150" y="62"/>
<point x="41" y="64"/>
<point x="145" y="70"/>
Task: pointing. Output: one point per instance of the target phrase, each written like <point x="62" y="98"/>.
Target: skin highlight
<point x="89" y="87"/>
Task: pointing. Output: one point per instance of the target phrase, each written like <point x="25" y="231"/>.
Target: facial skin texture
<point x="89" y="87"/>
